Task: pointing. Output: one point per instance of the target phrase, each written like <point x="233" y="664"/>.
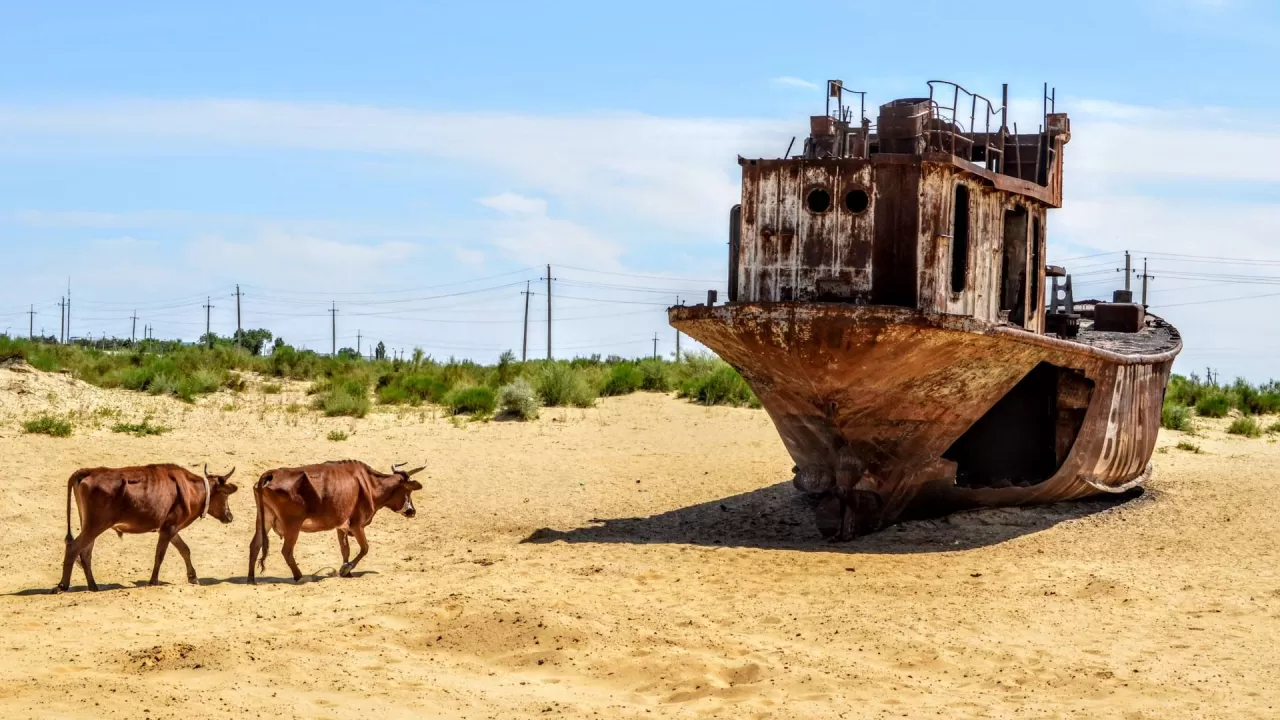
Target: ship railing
<point x="948" y="132"/>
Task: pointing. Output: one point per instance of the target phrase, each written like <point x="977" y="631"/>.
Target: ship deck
<point x="1156" y="337"/>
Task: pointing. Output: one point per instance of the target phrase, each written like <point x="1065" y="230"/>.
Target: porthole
<point x="857" y="201"/>
<point x="818" y="201"/>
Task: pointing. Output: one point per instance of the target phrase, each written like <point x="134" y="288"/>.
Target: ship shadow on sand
<point x="777" y="517"/>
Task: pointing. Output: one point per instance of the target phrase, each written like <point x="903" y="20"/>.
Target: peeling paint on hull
<point x="868" y="399"/>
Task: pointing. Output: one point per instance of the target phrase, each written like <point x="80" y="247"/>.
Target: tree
<point x="380" y="352"/>
<point x="253" y="340"/>
<point x="348" y="354"/>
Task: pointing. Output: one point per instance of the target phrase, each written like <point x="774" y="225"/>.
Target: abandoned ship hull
<point x="891" y="413"/>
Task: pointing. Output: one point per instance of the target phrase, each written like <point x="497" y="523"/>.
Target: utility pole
<point x="357" y="342"/>
<point x="62" y="320"/>
<point x="68" y="310"/>
<point x="239" y="329"/>
<point x="1128" y="271"/>
<point x="207" y="307"/>
<point x="524" y="347"/>
<point x="333" y="313"/>
<point x="677" y="335"/>
<point x="1145" y="277"/>
<point x="31" y="323"/>
<point x="655" y="346"/>
<point x="549" y="279"/>
<point x="133" y="334"/>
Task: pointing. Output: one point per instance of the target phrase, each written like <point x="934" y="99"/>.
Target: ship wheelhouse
<point x="931" y="208"/>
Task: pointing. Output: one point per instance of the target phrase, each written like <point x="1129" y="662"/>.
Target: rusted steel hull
<point x="869" y="399"/>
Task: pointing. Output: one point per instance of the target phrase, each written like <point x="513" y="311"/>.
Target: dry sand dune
<point x="640" y="559"/>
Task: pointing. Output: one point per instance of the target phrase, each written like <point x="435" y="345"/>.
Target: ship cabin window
<point x="857" y="201"/>
<point x="818" y="201"/>
<point x="960" y="240"/>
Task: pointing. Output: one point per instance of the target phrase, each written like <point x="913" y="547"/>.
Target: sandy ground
<point x="639" y="559"/>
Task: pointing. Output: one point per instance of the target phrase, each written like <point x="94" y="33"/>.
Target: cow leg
<point x="286" y="549"/>
<point x="86" y="563"/>
<point x="346" y="547"/>
<point x="68" y="564"/>
<point x="166" y="535"/>
<point x="185" y="552"/>
<point x="347" y="567"/>
<point x="81" y="548"/>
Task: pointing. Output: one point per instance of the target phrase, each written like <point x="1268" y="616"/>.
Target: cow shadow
<point x="202" y="582"/>
<point x="307" y="578"/>
<point x="780" y="518"/>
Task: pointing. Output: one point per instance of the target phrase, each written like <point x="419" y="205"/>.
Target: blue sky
<point x="316" y="152"/>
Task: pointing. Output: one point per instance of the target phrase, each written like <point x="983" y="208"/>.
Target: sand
<point x="644" y="558"/>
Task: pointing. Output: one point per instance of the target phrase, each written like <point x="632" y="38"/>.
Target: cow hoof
<point x="253" y="581"/>
<point x="58" y="590"/>
<point x="345" y="570"/>
<point x="94" y="587"/>
<point x="193" y="579"/>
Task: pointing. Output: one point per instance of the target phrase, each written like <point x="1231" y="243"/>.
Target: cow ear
<point x="230" y="487"/>
<point x="413" y="485"/>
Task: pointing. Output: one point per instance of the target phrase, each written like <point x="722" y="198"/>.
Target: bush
<point x="1214" y="404"/>
<point x="623" y="379"/>
<point x="1189" y="447"/>
<point x="1245" y="426"/>
<point x="413" y="388"/>
<point x="1175" y="417"/>
<point x="336" y="436"/>
<point x="560" y="386"/>
<point x="655" y="377"/>
<point x="342" y="396"/>
<point x="473" y="400"/>
<point x="518" y="400"/>
<point x="723" y="386"/>
<point x="48" y="425"/>
<point x="142" y="429"/>
<point x="271" y="388"/>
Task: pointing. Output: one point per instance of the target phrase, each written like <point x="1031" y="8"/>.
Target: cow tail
<point x="72" y="481"/>
<point x="260" y="525"/>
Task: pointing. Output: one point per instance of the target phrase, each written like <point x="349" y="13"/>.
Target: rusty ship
<point x="887" y="302"/>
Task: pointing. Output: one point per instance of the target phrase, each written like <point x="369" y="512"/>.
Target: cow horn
<point x="415" y="471"/>
<point x="206" y="469"/>
<point x="396" y="466"/>
<point x="228" y="475"/>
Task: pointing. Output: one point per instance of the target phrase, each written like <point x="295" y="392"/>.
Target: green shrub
<point x="1214" y="404"/>
<point x="1189" y="447"/>
<point x="723" y="386"/>
<point x="655" y="376"/>
<point x="1175" y="417"/>
<point x="347" y="396"/>
<point x="336" y="436"/>
<point x="623" y="379"/>
<point x="1246" y="426"/>
<point x="473" y="400"/>
<point x="413" y="388"/>
<point x="518" y="400"/>
<point x="48" y="425"/>
<point x="559" y="386"/>
<point x="271" y="388"/>
<point x="142" y="429"/>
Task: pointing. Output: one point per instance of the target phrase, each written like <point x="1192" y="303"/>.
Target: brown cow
<point x="341" y="495"/>
<point x="165" y="498"/>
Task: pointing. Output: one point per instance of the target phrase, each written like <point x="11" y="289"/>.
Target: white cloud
<point x="795" y="82"/>
<point x="472" y="258"/>
<point x="513" y="203"/>
<point x="676" y="172"/>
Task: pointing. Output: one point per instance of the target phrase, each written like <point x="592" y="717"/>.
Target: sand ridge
<point x="644" y="558"/>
